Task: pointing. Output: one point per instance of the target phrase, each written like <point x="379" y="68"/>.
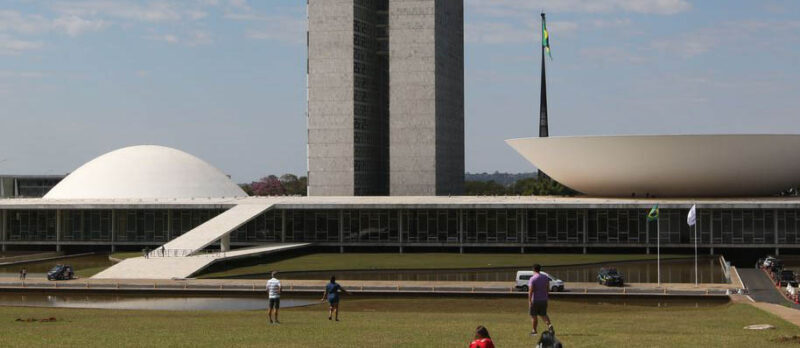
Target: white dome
<point x="145" y="171"/>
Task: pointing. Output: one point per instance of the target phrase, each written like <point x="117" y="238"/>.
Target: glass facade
<point x="432" y="227"/>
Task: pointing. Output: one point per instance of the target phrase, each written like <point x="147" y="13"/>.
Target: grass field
<point x="359" y="261"/>
<point x="126" y="254"/>
<point x="422" y="322"/>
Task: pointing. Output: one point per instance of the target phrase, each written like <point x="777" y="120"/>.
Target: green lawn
<point x="126" y="254"/>
<point x="358" y="261"/>
<point x="422" y="322"/>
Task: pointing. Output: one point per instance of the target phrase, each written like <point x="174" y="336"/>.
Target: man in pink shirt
<point x="538" y="287"/>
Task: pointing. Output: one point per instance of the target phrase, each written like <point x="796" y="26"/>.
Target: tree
<point x="483" y="188"/>
<point x="294" y="185"/>
<point x="268" y="186"/>
<point x="540" y="187"/>
<point x="247" y="189"/>
<point x="287" y="184"/>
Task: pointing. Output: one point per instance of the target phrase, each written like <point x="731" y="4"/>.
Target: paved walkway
<point x="183" y="266"/>
<point x="214" y="229"/>
<point x="396" y="287"/>
<point x="761" y="288"/>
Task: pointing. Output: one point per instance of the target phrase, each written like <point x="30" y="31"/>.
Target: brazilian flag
<point x="546" y="38"/>
<point x="653" y="214"/>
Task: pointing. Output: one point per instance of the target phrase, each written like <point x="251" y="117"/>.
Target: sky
<point x="225" y="79"/>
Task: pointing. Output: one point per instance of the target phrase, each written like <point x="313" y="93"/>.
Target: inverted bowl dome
<point x="668" y="165"/>
<point x="145" y="171"/>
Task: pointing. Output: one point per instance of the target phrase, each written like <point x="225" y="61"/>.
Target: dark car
<point x="786" y="277"/>
<point x="61" y="272"/>
<point x="610" y="277"/>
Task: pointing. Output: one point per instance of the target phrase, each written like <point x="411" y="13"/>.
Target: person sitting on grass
<point x="332" y="294"/>
<point x="482" y="339"/>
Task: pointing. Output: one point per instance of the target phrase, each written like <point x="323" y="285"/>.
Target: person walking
<point x="274" y="289"/>
<point x="538" y="288"/>
<point x="163" y="251"/>
<point x="332" y="291"/>
<point x="24" y="273"/>
<point x="482" y="339"/>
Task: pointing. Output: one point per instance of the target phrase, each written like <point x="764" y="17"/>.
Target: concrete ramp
<point x="184" y="266"/>
<point x="214" y="229"/>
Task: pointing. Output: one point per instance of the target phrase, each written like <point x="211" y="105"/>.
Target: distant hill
<point x="505" y="179"/>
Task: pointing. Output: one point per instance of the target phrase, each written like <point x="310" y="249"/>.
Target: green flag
<point x="653" y="214"/>
<point x="545" y="38"/>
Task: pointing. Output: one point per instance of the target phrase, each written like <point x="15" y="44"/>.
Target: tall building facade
<point x="385" y="97"/>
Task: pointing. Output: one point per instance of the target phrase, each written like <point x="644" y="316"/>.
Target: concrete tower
<point x="385" y="97"/>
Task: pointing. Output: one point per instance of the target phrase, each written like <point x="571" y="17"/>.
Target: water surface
<point x="146" y="302"/>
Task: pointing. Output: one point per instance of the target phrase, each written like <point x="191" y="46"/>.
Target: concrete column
<point x="461" y="231"/>
<point x="647" y="235"/>
<point x="3" y="228"/>
<point x="523" y="217"/>
<point x="114" y="230"/>
<point x="341" y="231"/>
<point x="775" y="227"/>
<point x="400" y="229"/>
<point x="58" y="230"/>
<point x="711" y="231"/>
<point x="283" y="226"/>
<point x="169" y="224"/>
<point x="225" y="242"/>
<point x="585" y="229"/>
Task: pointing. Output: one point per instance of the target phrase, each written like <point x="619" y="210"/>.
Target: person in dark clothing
<point x="332" y="291"/>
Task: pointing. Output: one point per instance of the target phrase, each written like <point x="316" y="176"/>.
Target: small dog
<point x="549" y="340"/>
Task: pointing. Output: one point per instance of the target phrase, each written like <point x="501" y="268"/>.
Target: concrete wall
<point x="427" y="97"/>
<point x="367" y="136"/>
<point x="412" y="99"/>
<point x="330" y="98"/>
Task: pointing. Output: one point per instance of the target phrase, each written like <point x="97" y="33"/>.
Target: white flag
<point x="691" y="219"/>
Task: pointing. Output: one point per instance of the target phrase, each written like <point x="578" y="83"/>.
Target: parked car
<point x="610" y="277"/>
<point x="61" y="272"/>
<point x="522" y="278"/>
<point x="786" y="277"/>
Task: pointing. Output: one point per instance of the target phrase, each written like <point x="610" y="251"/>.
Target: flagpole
<point x="658" y="247"/>
<point x="694" y="208"/>
<point x="696" y="284"/>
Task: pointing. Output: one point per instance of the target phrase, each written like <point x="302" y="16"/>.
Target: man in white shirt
<point x="274" y="289"/>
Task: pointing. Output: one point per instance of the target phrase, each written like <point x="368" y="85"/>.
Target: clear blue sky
<point x="225" y="80"/>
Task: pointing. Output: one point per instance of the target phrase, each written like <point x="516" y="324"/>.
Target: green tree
<point x="484" y="188"/>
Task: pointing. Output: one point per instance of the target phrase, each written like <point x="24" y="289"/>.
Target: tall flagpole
<point x="543" y="130"/>
<point x="696" y="282"/>
<point x="658" y="246"/>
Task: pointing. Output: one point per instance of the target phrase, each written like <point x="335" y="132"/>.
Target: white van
<point x="523" y="277"/>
